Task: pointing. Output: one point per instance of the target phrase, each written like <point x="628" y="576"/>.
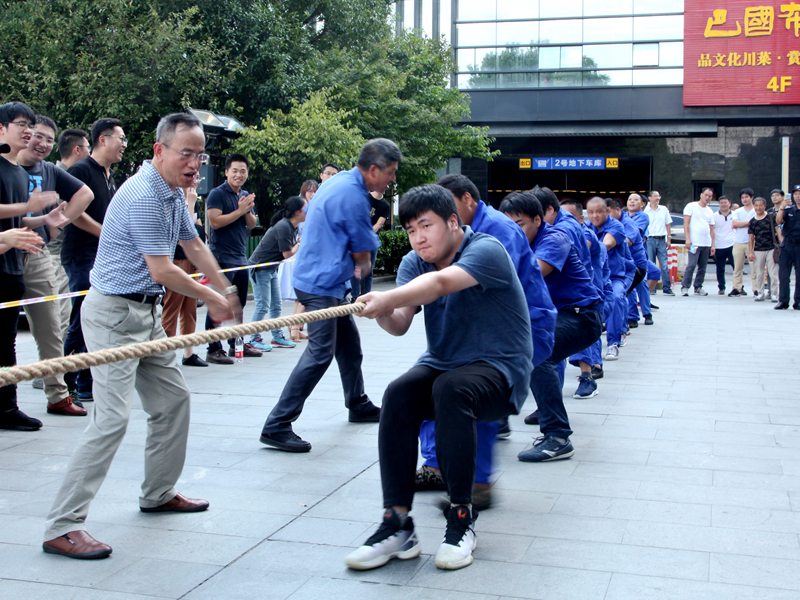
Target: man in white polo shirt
<point x="741" y="219"/>
<point x="723" y="241"/>
<point x="659" y="237"/>
<point x="699" y="229"/>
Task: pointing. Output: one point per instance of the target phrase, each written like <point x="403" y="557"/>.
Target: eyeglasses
<point x="40" y="138"/>
<point x="23" y="125"/>
<point x="203" y="158"/>
<point x="121" y="138"/>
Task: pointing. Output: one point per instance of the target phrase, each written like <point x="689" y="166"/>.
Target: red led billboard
<point x="739" y="52"/>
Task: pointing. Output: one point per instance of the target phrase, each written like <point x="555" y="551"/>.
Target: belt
<point x="142" y="298"/>
<point x="657" y="237"/>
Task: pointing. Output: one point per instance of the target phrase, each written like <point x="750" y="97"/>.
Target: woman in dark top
<point x="279" y="243"/>
<point x="177" y="305"/>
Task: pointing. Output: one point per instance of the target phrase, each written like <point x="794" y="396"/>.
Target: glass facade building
<point x="598" y="78"/>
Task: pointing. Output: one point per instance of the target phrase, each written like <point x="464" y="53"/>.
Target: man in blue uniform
<point x="578" y="325"/>
<point x="339" y="223"/>
<point x="611" y="233"/>
<point x="639" y="255"/>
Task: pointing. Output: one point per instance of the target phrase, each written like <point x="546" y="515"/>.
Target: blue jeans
<point x="363" y="286"/>
<point x="657" y="248"/>
<point x="267" y="296"/>
<point x="78" y="274"/>
<point x="575" y="331"/>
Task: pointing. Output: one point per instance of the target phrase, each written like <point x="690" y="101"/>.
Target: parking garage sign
<point x="568" y="163"/>
<point x="741" y="52"/>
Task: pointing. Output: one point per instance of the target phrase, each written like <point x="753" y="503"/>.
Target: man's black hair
<point x="68" y="139"/>
<point x="723" y="196"/>
<point x="102" y="127"/>
<point x="611" y="203"/>
<point x="459" y="185"/>
<point x="571" y="202"/>
<point x="11" y="111"/>
<point x="522" y="203"/>
<point x="379" y="152"/>
<point x="232" y="158"/>
<point x="748" y="191"/>
<point x="47" y="122"/>
<point x="424" y="198"/>
<point x="325" y="166"/>
<point x="546" y="198"/>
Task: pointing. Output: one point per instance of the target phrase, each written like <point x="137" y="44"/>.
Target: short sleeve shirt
<point x="49" y="178"/>
<point x="763" y="232"/>
<point x="569" y="283"/>
<point x="700" y="225"/>
<point x="723" y="231"/>
<point x="146" y="217"/>
<point x="80" y="246"/>
<point x="337" y="225"/>
<point x="229" y="243"/>
<point x="636" y="248"/>
<point x="379" y="209"/>
<point x="740" y="234"/>
<point x="494" y="312"/>
<point x="279" y="239"/>
<point x="597" y="252"/>
<point x="619" y="257"/>
<point x="13" y="190"/>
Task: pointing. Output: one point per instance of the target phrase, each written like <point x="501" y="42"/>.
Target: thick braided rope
<point x="77" y="362"/>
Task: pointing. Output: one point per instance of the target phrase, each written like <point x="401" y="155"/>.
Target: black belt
<point x="657" y="237"/>
<point x="142" y="298"/>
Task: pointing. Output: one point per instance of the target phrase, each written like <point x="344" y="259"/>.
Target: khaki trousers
<point x="764" y="258"/>
<point x="108" y="322"/>
<point x="739" y="254"/>
<point x="44" y="318"/>
<point x="62" y="287"/>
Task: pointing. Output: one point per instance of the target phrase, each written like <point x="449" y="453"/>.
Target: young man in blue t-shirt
<point x="469" y="289"/>
<point x="578" y="326"/>
<point x="230" y="213"/>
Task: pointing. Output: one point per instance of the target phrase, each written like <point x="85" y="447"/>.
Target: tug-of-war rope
<point x="77" y="362"/>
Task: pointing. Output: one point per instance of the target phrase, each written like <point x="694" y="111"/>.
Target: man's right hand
<point x="246" y="203"/>
<point x="224" y="308"/>
<point x="40" y="200"/>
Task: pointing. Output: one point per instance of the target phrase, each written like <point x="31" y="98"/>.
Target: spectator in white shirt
<point x="723" y="240"/>
<point x="698" y="225"/>
<point x="659" y="238"/>
<point x="741" y="219"/>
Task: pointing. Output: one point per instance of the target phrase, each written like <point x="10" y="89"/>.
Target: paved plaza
<point x="685" y="483"/>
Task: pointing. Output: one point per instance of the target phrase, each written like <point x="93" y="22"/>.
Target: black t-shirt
<point x="279" y="239"/>
<point x="179" y="253"/>
<point x="763" y="232"/>
<point x="13" y="190"/>
<point x="79" y="245"/>
<point x="379" y="208"/>
<point x="49" y="178"/>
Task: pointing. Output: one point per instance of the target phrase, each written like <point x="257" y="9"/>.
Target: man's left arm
<point x="250" y="220"/>
<point x="379" y="224"/>
<point x="713" y="237"/>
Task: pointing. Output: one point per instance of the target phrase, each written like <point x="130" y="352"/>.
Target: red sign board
<point x="741" y="52"/>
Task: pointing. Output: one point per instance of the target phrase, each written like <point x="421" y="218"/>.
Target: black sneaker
<point x="459" y="539"/>
<point x="733" y="293"/>
<point x="16" y="420"/>
<point x="503" y="429"/>
<point x="597" y="372"/>
<point x="395" y="538"/>
<point x="743" y="292"/>
<point x="632" y="324"/>
<point x="288" y="441"/>
<point x="372" y="415"/>
<point x="546" y="449"/>
<point x="533" y="418"/>
<point x="654" y="307"/>
<point x="648" y="319"/>
<point x="193" y="361"/>
<point x="721" y="292"/>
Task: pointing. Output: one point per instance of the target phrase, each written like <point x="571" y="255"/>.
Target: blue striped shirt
<point x="145" y="217"/>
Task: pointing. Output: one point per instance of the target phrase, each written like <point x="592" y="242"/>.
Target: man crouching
<point x="470" y="290"/>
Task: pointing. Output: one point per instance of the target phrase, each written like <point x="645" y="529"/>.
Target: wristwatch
<point x="231" y="289"/>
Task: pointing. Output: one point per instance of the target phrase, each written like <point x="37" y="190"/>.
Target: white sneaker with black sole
<point x="613" y="352"/>
<point x="459" y="539"/>
<point x="395" y="538"/>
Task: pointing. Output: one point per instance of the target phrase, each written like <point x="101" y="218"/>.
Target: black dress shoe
<point x="288" y="441"/>
<point x="781" y="306"/>
<point x="533" y="418"/>
<point x="654" y="307"/>
<point x="633" y="324"/>
<point x="373" y="415"/>
<point x="194" y="361"/>
<point x="597" y="372"/>
<point x="648" y="319"/>
<point x="796" y="306"/>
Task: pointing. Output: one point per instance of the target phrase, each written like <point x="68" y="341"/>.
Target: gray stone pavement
<point x="685" y="483"/>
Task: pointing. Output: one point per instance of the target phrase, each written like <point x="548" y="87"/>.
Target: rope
<point x="77" y="362"/>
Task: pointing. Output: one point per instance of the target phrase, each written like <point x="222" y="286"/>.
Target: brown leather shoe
<point x="179" y="503"/>
<point x="77" y="544"/>
<point x="67" y="408"/>
<point x="218" y="357"/>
